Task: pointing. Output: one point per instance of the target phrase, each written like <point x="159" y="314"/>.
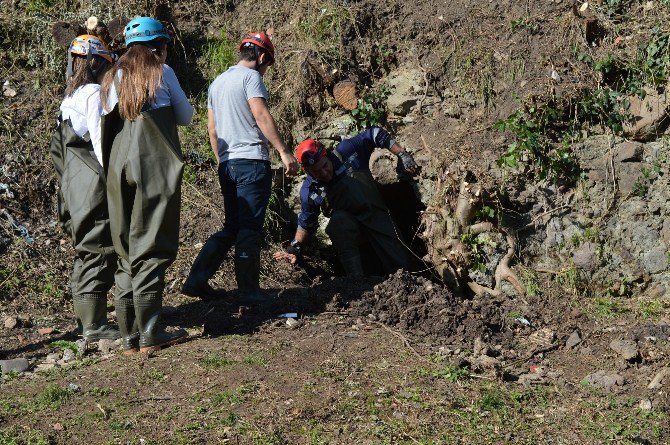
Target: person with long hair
<point x="143" y="103"/>
<point x="82" y="202"/>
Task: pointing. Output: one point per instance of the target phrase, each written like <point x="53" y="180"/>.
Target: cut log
<point x="345" y="94"/>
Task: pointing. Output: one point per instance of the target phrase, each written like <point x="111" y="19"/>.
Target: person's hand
<point x="291" y="165"/>
<point x="407" y="164"/>
<point x="281" y="255"/>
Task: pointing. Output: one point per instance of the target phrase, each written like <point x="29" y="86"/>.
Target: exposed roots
<point x="453" y="256"/>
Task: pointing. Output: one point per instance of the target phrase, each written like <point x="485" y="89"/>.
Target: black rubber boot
<point x="204" y="267"/>
<point x="247" y="273"/>
<point x="91" y="313"/>
<point x="153" y="336"/>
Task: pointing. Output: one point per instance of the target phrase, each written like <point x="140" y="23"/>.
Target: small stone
<point x="542" y="337"/>
<point x="14" y="365"/>
<point x="68" y="356"/>
<point x="657" y="381"/>
<point x="45" y="331"/>
<point x="105" y="345"/>
<point x="82" y="346"/>
<point x="73" y="387"/>
<point x="52" y="358"/>
<point x="573" y="340"/>
<point x="45" y="366"/>
<point x="626" y="348"/>
<point x="11" y="322"/>
<point x="604" y="379"/>
<point x="645" y="405"/>
<point x="485" y="361"/>
<point x="292" y="323"/>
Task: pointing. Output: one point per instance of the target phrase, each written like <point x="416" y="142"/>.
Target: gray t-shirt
<point x="238" y="134"/>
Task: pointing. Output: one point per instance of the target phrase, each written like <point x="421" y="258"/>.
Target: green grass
<point x="156" y="375"/>
<point x="219" y="54"/>
<point x="53" y="397"/>
<point x="257" y="360"/>
<point x="216" y="361"/>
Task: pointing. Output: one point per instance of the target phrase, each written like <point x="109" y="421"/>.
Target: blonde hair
<point x="142" y="76"/>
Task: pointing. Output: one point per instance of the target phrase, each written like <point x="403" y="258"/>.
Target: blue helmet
<point x="144" y="29"/>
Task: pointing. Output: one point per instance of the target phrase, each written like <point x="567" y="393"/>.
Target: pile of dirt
<point x="427" y="310"/>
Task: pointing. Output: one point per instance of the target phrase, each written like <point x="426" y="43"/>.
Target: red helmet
<point x="309" y="152"/>
<point x="261" y="40"/>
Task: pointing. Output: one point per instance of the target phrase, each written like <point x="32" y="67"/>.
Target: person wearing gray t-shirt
<point x="240" y="128"/>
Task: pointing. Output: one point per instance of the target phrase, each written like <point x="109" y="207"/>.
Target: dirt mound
<point x="428" y="310"/>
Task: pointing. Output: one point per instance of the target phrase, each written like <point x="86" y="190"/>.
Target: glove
<point x="295" y="248"/>
<point x="406" y="162"/>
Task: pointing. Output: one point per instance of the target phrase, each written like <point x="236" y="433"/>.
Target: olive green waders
<point x="82" y="210"/>
<point x="357" y="213"/>
<point x="144" y="192"/>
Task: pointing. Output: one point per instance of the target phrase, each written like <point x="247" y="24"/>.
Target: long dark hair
<point x="84" y="72"/>
<point x="142" y="76"/>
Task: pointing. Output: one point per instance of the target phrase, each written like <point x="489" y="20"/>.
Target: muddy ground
<point x="580" y="357"/>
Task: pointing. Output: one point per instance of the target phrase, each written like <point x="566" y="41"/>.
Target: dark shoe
<point x="153" y="336"/>
<point x="125" y="316"/>
<point x="162" y="340"/>
<point x="202" y="290"/>
<point x="91" y="313"/>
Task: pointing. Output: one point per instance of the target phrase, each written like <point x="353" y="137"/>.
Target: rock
<point x="82" y="346"/>
<point x="650" y="117"/>
<point x="332" y="131"/>
<point x="573" y="340"/>
<point x="528" y="380"/>
<point x="45" y="331"/>
<point x="292" y="323"/>
<point x="105" y="345"/>
<point x="645" y="405"/>
<point x="628" y="152"/>
<point x="542" y="337"/>
<point x="585" y="256"/>
<point x="655" y="260"/>
<point x="604" y="379"/>
<point x="52" y="358"/>
<point x="484" y="361"/>
<point x="14" y="365"/>
<point x="7" y="90"/>
<point x="45" y="366"/>
<point x="407" y="87"/>
<point x="68" y="356"/>
<point x="11" y="322"/>
<point x="659" y="379"/>
<point x="626" y="348"/>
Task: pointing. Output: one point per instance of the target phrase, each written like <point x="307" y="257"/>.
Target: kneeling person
<point x="340" y="184"/>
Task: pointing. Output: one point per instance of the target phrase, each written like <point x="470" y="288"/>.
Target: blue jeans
<point x="246" y="185"/>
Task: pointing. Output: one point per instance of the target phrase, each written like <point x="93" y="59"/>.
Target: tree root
<point x="457" y="256"/>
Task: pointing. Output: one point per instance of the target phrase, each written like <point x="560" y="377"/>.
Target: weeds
<point x="371" y="109"/>
<point x="64" y="344"/>
<point x="257" y="360"/>
<point x="532" y="145"/>
<point x="607" y="307"/>
<point x="156" y="375"/>
<point x="219" y="54"/>
<point x="53" y="397"/>
<point x="216" y="361"/>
